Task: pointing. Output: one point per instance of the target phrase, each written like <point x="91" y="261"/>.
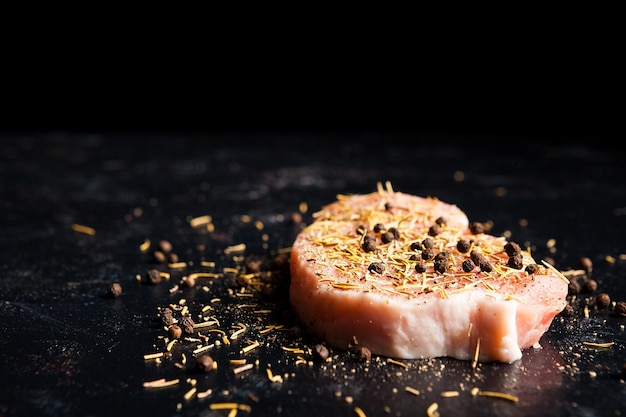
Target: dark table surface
<point x="70" y="349"/>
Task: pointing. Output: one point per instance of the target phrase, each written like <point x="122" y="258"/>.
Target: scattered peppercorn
<point x="434" y="230"/>
<point x="361" y="230"/>
<point x="463" y="245"/>
<point x="585" y="263"/>
<point x="188" y="282"/>
<point x="387" y="237"/>
<point x="295" y="218"/>
<point x="165" y="246"/>
<point x="167" y="319"/>
<point x="369" y="243"/>
<point x="440" y="267"/>
<point x="115" y="290"/>
<point x="476" y="228"/>
<point x="153" y="276"/>
<point x="515" y="261"/>
<point x="187" y="323"/>
<point x="376" y="267"/>
<point x="205" y="363"/>
<point x="481" y="260"/>
<point x="442" y="256"/>
<point x="603" y="300"/>
<point x="158" y="256"/>
<point x="532" y="268"/>
<point x="590" y="285"/>
<point x="379" y="227"/>
<point x="320" y="352"/>
<point x="512" y="249"/>
<point x="253" y="266"/>
<point x="441" y="221"/>
<point x="468" y="265"/>
<point x="395" y="232"/>
<point x="175" y="331"/>
<point x="167" y="316"/>
<point x="485" y="265"/>
<point x="620" y="308"/>
<point x="420" y="267"/>
<point x="428" y="243"/>
<point x="428" y="253"/>
<point x="364" y="354"/>
<point x="441" y="262"/>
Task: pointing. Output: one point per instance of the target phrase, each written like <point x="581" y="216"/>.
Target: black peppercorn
<point x="463" y="245"/>
<point x="115" y="289"/>
<point x="376" y="267"/>
<point x="369" y="243"/>
<point x="434" y="230"/>
<point x="442" y="256"/>
<point x="174" y="331"/>
<point x="320" y="352"/>
<point x="441" y="221"/>
<point x="485" y="265"/>
<point x="512" y="249"/>
<point x="364" y="354"/>
<point x="253" y="266"/>
<point x="379" y="227"/>
<point x="428" y="243"/>
<point x="420" y="267"/>
<point x="387" y="237"/>
<point x="428" y="253"/>
<point x="515" y="261"/>
<point x="468" y="265"/>
<point x="154" y="276"/>
<point x="188" y="281"/>
<point x="586" y="264"/>
<point x="603" y="300"/>
<point x="187" y="324"/>
<point x="165" y="246"/>
<point x="481" y="260"/>
<point x="532" y="268"/>
<point x="167" y="319"/>
<point x="476" y="228"/>
<point x="158" y="256"/>
<point x="590" y="286"/>
<point x="441" y="265"/>
<point x="205" y="363"/>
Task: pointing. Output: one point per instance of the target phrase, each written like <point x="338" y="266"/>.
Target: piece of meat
<point x="343" y="292"/>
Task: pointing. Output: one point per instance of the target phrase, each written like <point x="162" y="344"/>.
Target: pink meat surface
<point x="402" y="313"/>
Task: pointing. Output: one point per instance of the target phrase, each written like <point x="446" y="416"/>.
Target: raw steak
<point x="407" y="277"/>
